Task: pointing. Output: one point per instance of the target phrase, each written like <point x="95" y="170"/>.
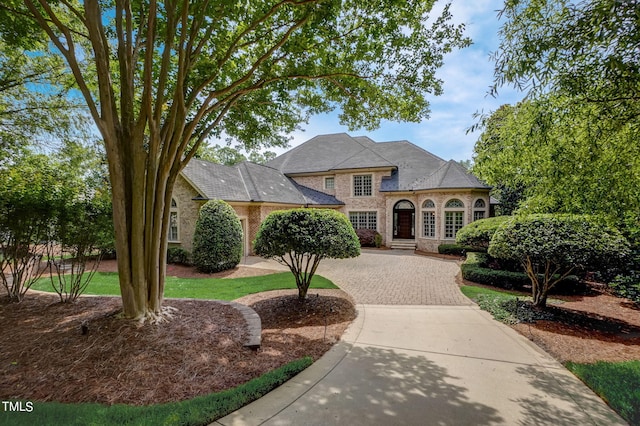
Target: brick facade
<point x="252" y="214"/>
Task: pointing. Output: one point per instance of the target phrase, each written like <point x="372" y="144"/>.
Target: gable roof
<point x="250" y="182"/>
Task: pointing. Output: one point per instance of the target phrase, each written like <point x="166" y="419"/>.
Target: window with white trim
<point x="479" y="209"/>
<point x="174" y="235"/>
<point x="453" y="218"/>
<point x="362" y="186"/>
<point x="428" y="219"/>
<point x="364" y="220"/>
<point x="329" y="183"/>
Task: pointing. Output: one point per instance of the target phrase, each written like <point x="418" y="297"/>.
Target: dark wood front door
<point x="405" y="224"/>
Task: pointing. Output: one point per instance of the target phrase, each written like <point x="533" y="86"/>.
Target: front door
<point x="405" y="223"/>
<point x="403" y="220"/>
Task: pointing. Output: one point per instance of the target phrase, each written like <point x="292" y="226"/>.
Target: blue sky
<point x="467" y="76"/>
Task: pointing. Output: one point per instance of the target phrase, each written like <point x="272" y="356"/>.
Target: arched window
<point x="404" y="216"/>
<point x="453" y="217"/>
<point x="479" y="209"/>
<point x="429" y="219"/>
<point x="174" y="234"/>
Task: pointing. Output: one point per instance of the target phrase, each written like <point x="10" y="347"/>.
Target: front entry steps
<point x="403" y="244"/>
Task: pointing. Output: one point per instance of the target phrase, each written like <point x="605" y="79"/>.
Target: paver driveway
<point x="396" y="277"/>
<point x="423" y="364"/>
<point x="389" y="277"/>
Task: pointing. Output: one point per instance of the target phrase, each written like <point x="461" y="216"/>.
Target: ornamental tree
<point x="551" y="247"/>
<point x="159" y="78"/>
<point x="301" y="238"/>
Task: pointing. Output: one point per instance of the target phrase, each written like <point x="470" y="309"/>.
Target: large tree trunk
<point x="141" y="204"/>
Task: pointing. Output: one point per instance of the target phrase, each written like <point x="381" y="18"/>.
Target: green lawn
<point x="618" y="383"/>
<point x="106" y="284"/>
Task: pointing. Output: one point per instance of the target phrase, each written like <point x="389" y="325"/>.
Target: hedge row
<point x="454" y="249"/>
<point x="474" y="269"/>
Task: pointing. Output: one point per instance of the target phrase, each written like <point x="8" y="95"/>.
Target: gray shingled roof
<point x="250" y="182"/>
<point x="450" y="175"/>
<point x="413" y="167"/>
<point x="329" y="152"/>
<point x="227" y="185"/>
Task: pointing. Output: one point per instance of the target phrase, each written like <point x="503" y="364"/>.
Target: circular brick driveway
<point x="390" y="277"/>
<point x="396" y="277"/>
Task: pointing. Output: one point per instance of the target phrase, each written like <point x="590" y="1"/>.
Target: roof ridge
<point x="288" y="155"/>
<point x="242" y="177"/>
<point x="404" y="141"/>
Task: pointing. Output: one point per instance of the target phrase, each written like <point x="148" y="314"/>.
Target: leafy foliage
<point x="577" y="131"/>
<point x="454" y="249"/>
<point x="301" y="238"/>
<point x="587" y="48"/>
<point x="478" y="233"/>
<point x="178" y="255"/>
<point x="217" y="240"/>
<point x="369" y="237"/>
<point x="49" y="209"/>
<point x="475" y="269"/>
<point x="556" y="154"/>
<point x="83" y="229"/>
<point x="159" y="78"/>
<point x="555" y="246"/>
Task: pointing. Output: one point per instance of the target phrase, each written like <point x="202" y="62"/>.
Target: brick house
<point x="413" y="198"/>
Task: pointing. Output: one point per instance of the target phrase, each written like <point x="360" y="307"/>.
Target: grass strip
<point x="106" y="284"/>
<point x="617" y="383"/>
<point x="194" y="412"/>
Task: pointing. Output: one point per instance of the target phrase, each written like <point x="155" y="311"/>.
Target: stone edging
<point x="254" y="324"/>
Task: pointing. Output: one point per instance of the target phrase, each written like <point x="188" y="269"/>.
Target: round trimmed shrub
<point x="217" y="242"/>
<point x="478" y="233"/>
<point x="550" y="247"/>
<point x="301" y="238"/>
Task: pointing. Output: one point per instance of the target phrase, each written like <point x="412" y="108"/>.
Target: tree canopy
<point x="562" y="158"/>
<point x="571" y="145"/>
<point x="159" y="78"/>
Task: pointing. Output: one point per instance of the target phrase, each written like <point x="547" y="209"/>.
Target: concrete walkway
<point x="426" y="365"/>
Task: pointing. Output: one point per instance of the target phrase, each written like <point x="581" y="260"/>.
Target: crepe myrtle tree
<point x="161" y="77"/>
<point x="301" y="238"/>
<point x="551" y="247"/>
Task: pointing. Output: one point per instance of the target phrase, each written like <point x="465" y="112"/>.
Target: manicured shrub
<point x="475" y="269"/>
<point x="550" y="247"/>
<point x="178" y="256"/>
<point x="377" y="240"/>
<point x="627" y="286"/>
<point x="217" y="243"/>
<point x="478" y="233"/>
<point x="301" y="238"/>
<point x="454" y="249"/>
<point x="368" y="237"/>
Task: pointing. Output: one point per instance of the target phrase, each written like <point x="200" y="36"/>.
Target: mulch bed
<point x="46" y="357"/>
<point x="589" y="327"/>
